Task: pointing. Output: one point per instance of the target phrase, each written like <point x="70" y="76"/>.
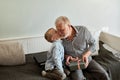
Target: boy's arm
<point x="57" y="59"/>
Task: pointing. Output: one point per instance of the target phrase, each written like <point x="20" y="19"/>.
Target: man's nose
<point x="59" y="32"/>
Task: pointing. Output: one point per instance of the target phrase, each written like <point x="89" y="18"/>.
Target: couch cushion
<point x="11" y="53"/>
<point x="108" y="61"/>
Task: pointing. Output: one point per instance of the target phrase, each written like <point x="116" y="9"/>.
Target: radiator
<point x="32" y="44"/>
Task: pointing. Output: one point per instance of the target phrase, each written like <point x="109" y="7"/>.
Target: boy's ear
<point x="52" y="38"/>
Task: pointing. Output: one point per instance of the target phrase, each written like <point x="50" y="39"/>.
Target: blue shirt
<point x="55" y="56"/>
<point x="81" y="43"/>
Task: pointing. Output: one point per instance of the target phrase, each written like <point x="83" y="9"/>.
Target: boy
<point x="55" y="56"/>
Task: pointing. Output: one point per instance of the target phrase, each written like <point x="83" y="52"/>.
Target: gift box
<point x="74" y="65"/>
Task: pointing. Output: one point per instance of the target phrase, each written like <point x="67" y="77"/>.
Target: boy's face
<point x="55" y="35"/>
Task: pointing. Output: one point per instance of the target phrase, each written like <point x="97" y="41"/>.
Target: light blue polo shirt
<point x="55" y="56"/>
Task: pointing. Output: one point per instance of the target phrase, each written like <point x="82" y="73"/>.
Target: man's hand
<point x="70" y="58"/>
<point x="85" y="58"/>
<point x="78" y="61"/>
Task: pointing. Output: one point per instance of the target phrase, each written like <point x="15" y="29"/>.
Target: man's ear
<point x="69" y="25"/>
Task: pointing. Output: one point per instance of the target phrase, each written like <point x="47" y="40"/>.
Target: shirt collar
<point x="76" y="30"/>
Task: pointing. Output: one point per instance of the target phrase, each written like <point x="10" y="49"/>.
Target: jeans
<point x="94" y="71"/>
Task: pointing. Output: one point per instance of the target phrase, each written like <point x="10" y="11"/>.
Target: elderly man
<point x="79" y="45"/>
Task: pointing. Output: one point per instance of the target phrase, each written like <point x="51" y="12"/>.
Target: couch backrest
<point x="112" y="40"/>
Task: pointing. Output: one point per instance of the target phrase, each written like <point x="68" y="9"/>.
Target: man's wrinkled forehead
<point x="60" y="25"/>
<point x="60" y="22"/>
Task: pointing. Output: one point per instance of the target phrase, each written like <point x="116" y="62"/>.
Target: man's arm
<point x="90" y="41"/>
<point x="91" y="46"/>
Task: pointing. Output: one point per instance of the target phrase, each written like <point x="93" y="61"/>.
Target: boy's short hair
<point x="49" y="35"/>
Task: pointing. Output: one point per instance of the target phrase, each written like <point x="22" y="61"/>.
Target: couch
<point x="32" y="64"/>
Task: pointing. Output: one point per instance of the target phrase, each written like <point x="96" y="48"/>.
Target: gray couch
<point x="31" y="69"/>
<point x="15" y="65"/>
<point x="28" y="71"/>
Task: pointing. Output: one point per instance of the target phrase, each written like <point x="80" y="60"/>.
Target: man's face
<point x="63" y="29"/>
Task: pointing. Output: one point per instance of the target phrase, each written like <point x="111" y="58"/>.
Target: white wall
<point x="21" y="18"/>
<point x="31" y="44"/>
<point x="34" y="44"/>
